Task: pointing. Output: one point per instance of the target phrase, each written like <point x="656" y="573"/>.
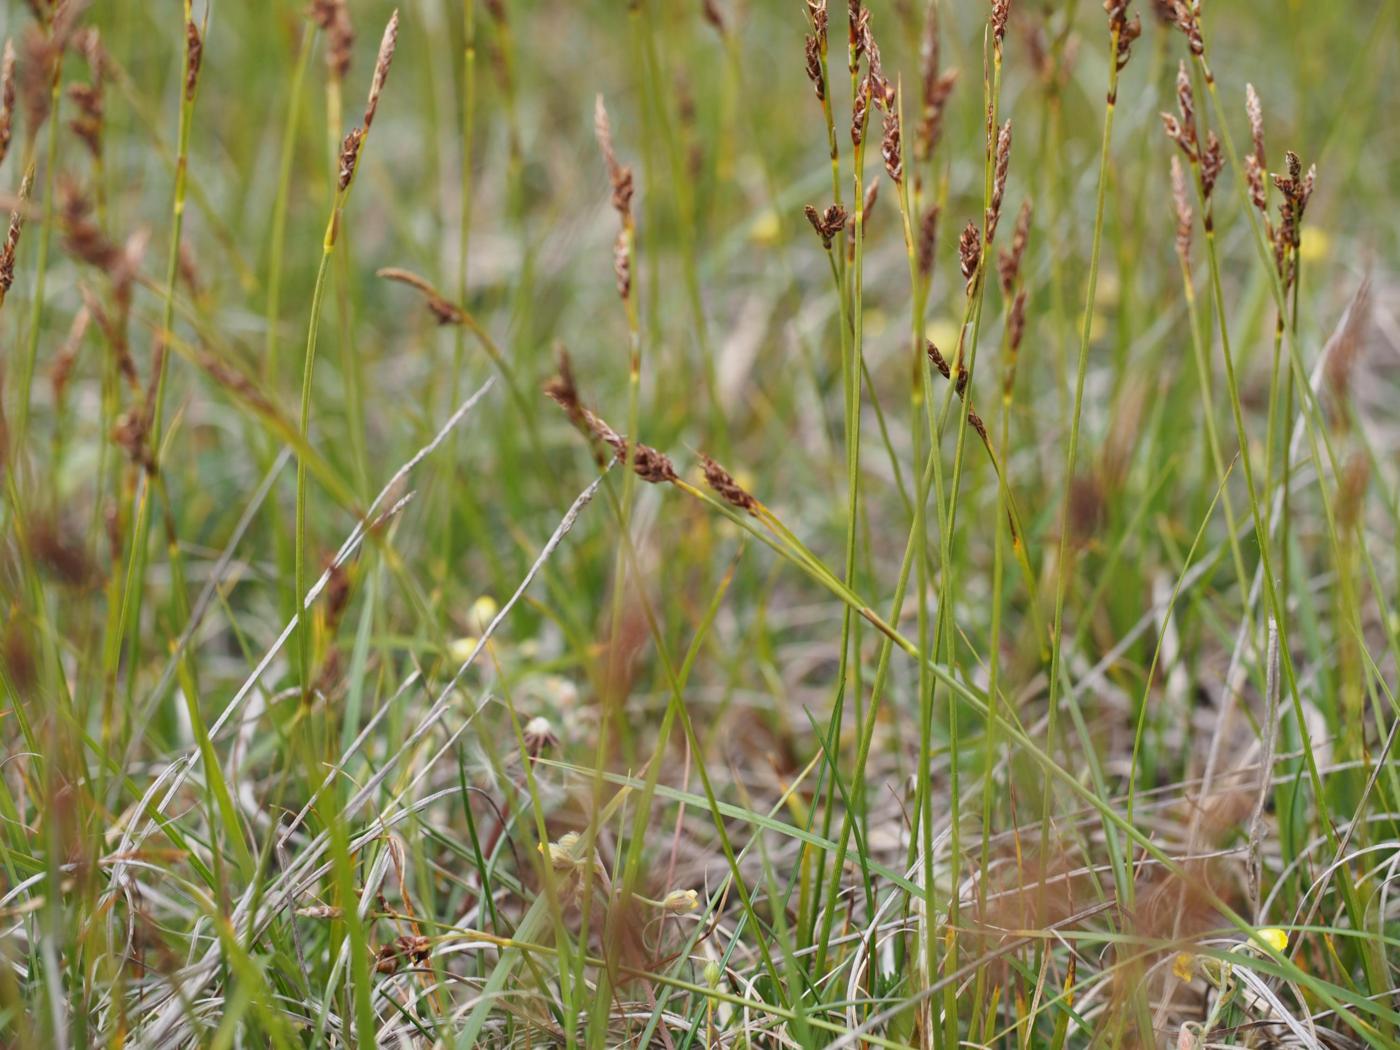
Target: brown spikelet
<point x="350" y="157"/>
<point x="445" y="311"/>
<point x="724" y="486"/>
<point x="935" y="87"/>
<point x="872" y="194"/>
<point x="1002" y="165"/>
<point x="194" y="58"/>
<point x="337" y="592"/>
<point x="1212" y="164"/>
<point x="237" y="384"/>
<point x="1344" y="349"/>
<point x="890" y="145"/>
<point x="333" y="18"/>
<point x="648" y="463"/>
<point x="387" y="43"/>
<point x="1016" y="321"/>
<point x="619" y="175"/>
<point x="1124" y="30"/>
<point x="1187" y="16"/>
<point x="60" y="553"/>
<point x="7" y="253"/>
<point x="969" y="253"/>
<point x="812" y="48"/>
<point x="82" y="236"/>
<point x="928" y="237"/>
<point x="710" y="12"/>
<point x="86" y="123"/>
<point x="7" y="98"/>
<point x="1009" y="259"/>
<point x="1256" y="162"/>
<point x="622" y="263"/>
<point x="67" y="357"/>
<point x="827" y="223"/>
<point x="860" y="108"/>
<point x="1184" y="219"/>
<point x="34" y="80"/>
<point x="1001" y="11"/>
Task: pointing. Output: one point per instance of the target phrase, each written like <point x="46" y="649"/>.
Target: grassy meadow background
<point x="993" y="642"/>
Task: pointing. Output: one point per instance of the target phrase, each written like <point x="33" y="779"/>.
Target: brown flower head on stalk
<point x="1124" y="30"/>
<point x="1208" y="159"/>
<point x="1184" y="220"/>
<point x="859" y="109"/>
<point x="969" y="253"/>
<point x="648" y="463"/>
<point x="7" y="98"/>
<point x="946" y="371"/>
<point x="194" y="58"/>
<point x="814" y="67"/>
<point x="1001" y="11"/>
<point x="935" y="87"/>
<point x="350" y="157"/>
<point x="928" y="237"/>
<point x="87" y="121"/>
<point x="726" y="488"/>
<point x="709" y="10"/>
<point x="1009" y="259"/>
<point x="890" y="148"/>
<point x="1016" y="320"/>
<point x="7" y="253"/>
<point x="36" y="70"/>
<point x="67" y="357"/>
<point x="1256" y="162"/>
<point x="828" y="223"/>
<point x="445" y="311"/>
<point x="858" y="22"/>
<point x="1002" y="165"/>
<point x="387" y="43"/>
<point x="1297" y="189"/>
<point x="1187" y="16"/>
<point x="620" y="177"/>
<point x="333" y="18"/>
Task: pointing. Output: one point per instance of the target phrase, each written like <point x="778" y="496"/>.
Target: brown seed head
<point x="1016" y="320"/>
<point x="1003" y="164"/>
<point x="445" y="311"/>
<point x="828" y="223"/>
<point x="1001" y="10"/>
<point x="387" y="43"/>
<point x="194" y="58"/>
<point x="1123" y="30"/>
<point x="859" y="110"/>
<point x="709" y="10"/>
<point x="890" y="145"/>
<point x="969" y="253"/>
<point x="1184" y="218"/>
<point x="928" y="236"/>
<point x="1212" y="164"/>
<point x="619" y="175"/>
<point x="1009" y="259"/>
<point x="333" y="17"/>
<point x="350" y="156"/>
<point x="725" y="487"/>
<point x="1187" y="15"/>
<point x="7" y="253"/>
<point x="87" y="121"/>
<point x="7" y="98"/>
<point x="814" y="67"/>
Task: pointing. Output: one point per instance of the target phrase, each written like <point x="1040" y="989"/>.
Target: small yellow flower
<point x="1274" y="937"/>
<point x="680" y="901"/>
<point x="1184" y="966"/>
<point x="483" y="611"/>
<point x="461" y="648"/>
<point x="765" y="228"/>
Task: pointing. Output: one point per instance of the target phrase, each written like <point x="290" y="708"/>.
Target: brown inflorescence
<point x="969" y="253"/>
<point x="724" y="486"/>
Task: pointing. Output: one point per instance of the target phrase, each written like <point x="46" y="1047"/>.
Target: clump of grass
<point x="768" y="747"/>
